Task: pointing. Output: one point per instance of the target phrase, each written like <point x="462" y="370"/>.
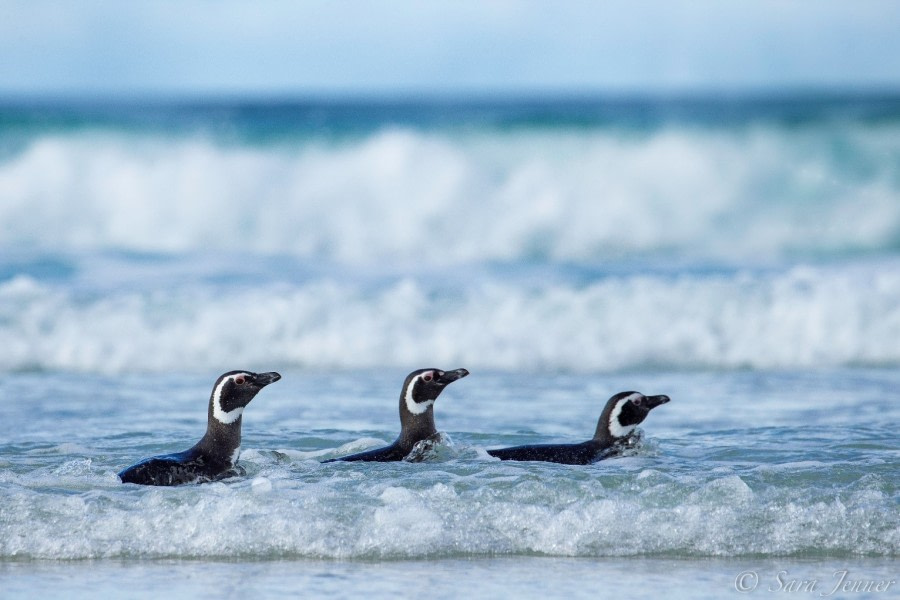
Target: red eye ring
<point x="240" y="380"/>
<point x="427" y="377"/>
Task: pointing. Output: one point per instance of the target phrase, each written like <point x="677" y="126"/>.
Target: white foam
<point x="261" y="485"/>
<point x="797" y="318"/>
<point x="443" y="197"/>
<point x="494" y="511"/>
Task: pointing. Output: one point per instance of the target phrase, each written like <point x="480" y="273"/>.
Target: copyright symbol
<point x="746" y="581"/>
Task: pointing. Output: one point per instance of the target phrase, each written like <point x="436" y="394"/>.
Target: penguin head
<point x="234" y="390"/>
<point x="422" y="388"/>
<point x="625" y="411"/>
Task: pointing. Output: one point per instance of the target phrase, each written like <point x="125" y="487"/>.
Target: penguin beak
<point x="451" y="376"/>
<point x="264" y="379"/>
<point x="654" y="401"/>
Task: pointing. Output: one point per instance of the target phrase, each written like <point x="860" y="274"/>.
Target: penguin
<point x="215" y="456"/>
<point x="417" y="397"/>
<point x="622" y="414"/>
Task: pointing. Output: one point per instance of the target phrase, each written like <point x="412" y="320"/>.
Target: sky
<point x="204" y="47"/>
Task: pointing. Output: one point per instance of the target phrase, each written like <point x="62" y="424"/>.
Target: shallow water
<point x="730" y="468"/>
<point x="527" y="577"/>
<point x="736" y="474"/>
<point x="753" y="278"/>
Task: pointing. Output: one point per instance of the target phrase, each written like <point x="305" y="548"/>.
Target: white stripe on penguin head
<point x="417" y="408"/>
<point x="229" y="417"/>
<point x="616" y="428"/>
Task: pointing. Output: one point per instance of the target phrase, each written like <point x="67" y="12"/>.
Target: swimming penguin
<point x="417" y="397"/>
<point x="216" y="455"/>
<point x="622" y="414"/>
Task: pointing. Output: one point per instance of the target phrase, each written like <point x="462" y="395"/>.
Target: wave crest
<point x="398" y="194"/>
<point x="802" y="317"/>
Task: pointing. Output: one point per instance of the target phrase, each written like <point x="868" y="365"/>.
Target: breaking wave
<point x="798" y="317"/>
<point x="398" y="194"/>
<point x="306" y="510"/>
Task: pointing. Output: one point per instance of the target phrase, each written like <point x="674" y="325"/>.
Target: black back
<point x="622" y="413"/>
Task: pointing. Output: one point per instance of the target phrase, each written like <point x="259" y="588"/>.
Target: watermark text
<point x="842" y="581"/>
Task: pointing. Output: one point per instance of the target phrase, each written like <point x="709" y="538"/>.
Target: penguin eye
<point x="427" y="377"/>
<point x="240" y="380"/>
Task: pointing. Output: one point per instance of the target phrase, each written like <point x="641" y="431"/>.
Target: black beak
<point x="451" y="376"/>
<point x="264" y="379"/>
<point x="654" y="401"/>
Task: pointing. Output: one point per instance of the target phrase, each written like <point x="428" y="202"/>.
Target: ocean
<point x="739" y="254"/>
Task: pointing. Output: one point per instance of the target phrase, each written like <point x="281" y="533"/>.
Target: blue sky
<point x="406" y="46"/>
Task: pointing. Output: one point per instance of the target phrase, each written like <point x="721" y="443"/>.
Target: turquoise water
<point x="739" y="256"/>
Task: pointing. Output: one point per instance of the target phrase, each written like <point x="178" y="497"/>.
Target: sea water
<point x="738" y="255"/>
